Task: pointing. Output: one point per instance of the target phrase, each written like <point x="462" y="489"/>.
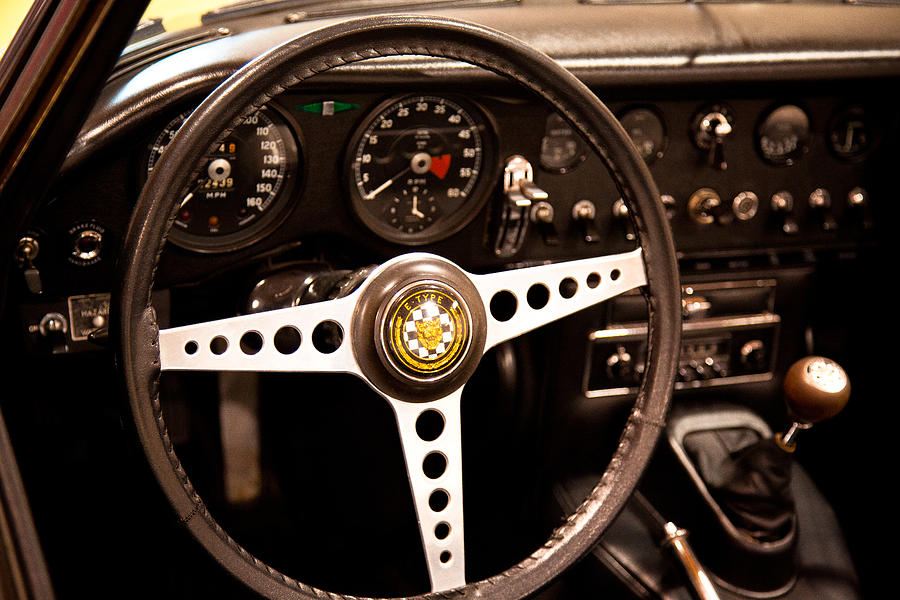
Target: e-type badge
<point x="426" y="331"/>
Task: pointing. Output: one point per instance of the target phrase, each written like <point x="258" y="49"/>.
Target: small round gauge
<point x="782" y="136"/>
<point x="849" y="134"/>
<point x="243" y="187"/>
<point x="416" y="168"/>
<point x="647" y="132"/>
<point x="561" y="148"/>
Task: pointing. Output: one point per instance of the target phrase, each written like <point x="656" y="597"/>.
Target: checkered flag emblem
<point x="429" y="331"/>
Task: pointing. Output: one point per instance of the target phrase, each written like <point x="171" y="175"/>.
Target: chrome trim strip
<point x="425" y="62"/>
<point x="646" y="62"/>
<point x="795" y="57"/>
<point x="689" y="326"/>
<point x="686" y="385"/>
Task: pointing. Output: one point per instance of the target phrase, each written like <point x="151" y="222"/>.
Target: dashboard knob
<point x="53" y="328"/>
<point x="695" y="307"/>
<point x="820" y="207"/>
<point x="27" y="251"/>
<point x="668" y="202"/>
<point x="857" y="197"/>
<point x="686" y="374"/>
<point x="542" y="214"/>
<point x="620" y="214"/>
<point x="860" y="207"/>
<point x="753" y="355"/>
<point x="620" y="366"/>
<point x="783" y="207"/>
<point x="702" y="369"/>
<point x="705" y="207"/>
<point x="583" y="213"/>
<point x="745" y="206"/>
<point x="711" y="128"/>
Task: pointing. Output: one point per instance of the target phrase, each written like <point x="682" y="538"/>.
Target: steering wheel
<point x="417" y="327"/>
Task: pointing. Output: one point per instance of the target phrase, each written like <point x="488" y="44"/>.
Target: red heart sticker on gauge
<point x="440" y="164"/>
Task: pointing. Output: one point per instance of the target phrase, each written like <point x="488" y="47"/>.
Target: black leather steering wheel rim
<point x="288" y="65"/>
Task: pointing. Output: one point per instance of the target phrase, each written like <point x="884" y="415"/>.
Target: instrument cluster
<point x="415" y="169"/>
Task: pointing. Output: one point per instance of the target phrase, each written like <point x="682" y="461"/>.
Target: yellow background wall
<point x="177" y="14"/>
<point x="11" y="14"/>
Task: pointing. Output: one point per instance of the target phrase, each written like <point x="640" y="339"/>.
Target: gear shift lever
<point x="815" y="389"/>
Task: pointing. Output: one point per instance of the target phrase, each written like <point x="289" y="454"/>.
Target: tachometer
<point x="243" y="189"/>
<point x="417" y="168"/>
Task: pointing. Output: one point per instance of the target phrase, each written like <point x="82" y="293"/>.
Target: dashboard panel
<point x="825" y="196"/>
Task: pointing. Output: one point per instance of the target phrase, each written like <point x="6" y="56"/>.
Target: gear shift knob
<point x="815" y="389"/>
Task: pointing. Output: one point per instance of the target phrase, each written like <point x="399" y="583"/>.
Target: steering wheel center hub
<point x="426" y="331"/>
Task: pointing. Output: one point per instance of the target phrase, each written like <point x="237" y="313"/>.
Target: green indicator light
<point x="327" y="108"/>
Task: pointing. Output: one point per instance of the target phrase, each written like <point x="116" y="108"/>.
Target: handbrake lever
<point x="674" y="539"/>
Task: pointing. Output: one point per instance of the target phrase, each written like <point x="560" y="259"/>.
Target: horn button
<point x="425" y="331"/>
<point x="420" y="329"/>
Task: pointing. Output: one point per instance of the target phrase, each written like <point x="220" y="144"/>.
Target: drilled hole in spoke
<point x="442" y="530"/>
<point x="615" y="274"/>
<point x="434" y="465"/>
<point x="327" y="337"/>
<point x="438" y="500"/>
<point x="446" y="557"/>
<point x="251" y="342"/>
<point x="504" y="305"/>
<point x="287" y="340"/>
<point x="191" y="347"/>
<point x="538" y="296"/>
<point x="218" y="345"/>
<point x="593" y="280"/>
<point x="568" y="287"/>
<point x="430" y="425"/>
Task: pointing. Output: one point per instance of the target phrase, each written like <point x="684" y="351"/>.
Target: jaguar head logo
<point x="429" y="333"/>
<point x="426" y="331"/>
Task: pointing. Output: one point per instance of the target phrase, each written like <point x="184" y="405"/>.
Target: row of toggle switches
<point x="706" y="207"/>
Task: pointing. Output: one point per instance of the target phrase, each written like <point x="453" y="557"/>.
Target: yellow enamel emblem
<point x="428" y="330"/>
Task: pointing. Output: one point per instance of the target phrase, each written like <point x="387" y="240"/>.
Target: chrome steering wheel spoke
<point x="306" y="338"/>
<point x="421" y="325"/>
<point x="520" y="300"/>
<point x="430" y="435"/>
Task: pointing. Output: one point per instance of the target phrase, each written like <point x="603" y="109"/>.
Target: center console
<point x="729" y="337"/>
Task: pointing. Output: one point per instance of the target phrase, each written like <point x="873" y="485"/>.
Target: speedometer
<point x="417" y="168"/>
<point x="243" y="188"/>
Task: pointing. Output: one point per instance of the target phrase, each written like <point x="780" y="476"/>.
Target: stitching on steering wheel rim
<point x="634" y="432"/>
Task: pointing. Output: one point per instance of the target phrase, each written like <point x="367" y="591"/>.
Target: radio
<point x="729" y="337"/>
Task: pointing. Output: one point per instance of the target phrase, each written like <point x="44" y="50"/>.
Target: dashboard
<point x="794" y="173"/>
<point x="766" y="126"/>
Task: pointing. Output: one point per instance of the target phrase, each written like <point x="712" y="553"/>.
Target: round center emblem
<point x="426" y="330"/>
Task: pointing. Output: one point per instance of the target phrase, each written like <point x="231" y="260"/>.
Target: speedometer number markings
<point x="242" y="181"/>
<point x="415" y="164"/>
